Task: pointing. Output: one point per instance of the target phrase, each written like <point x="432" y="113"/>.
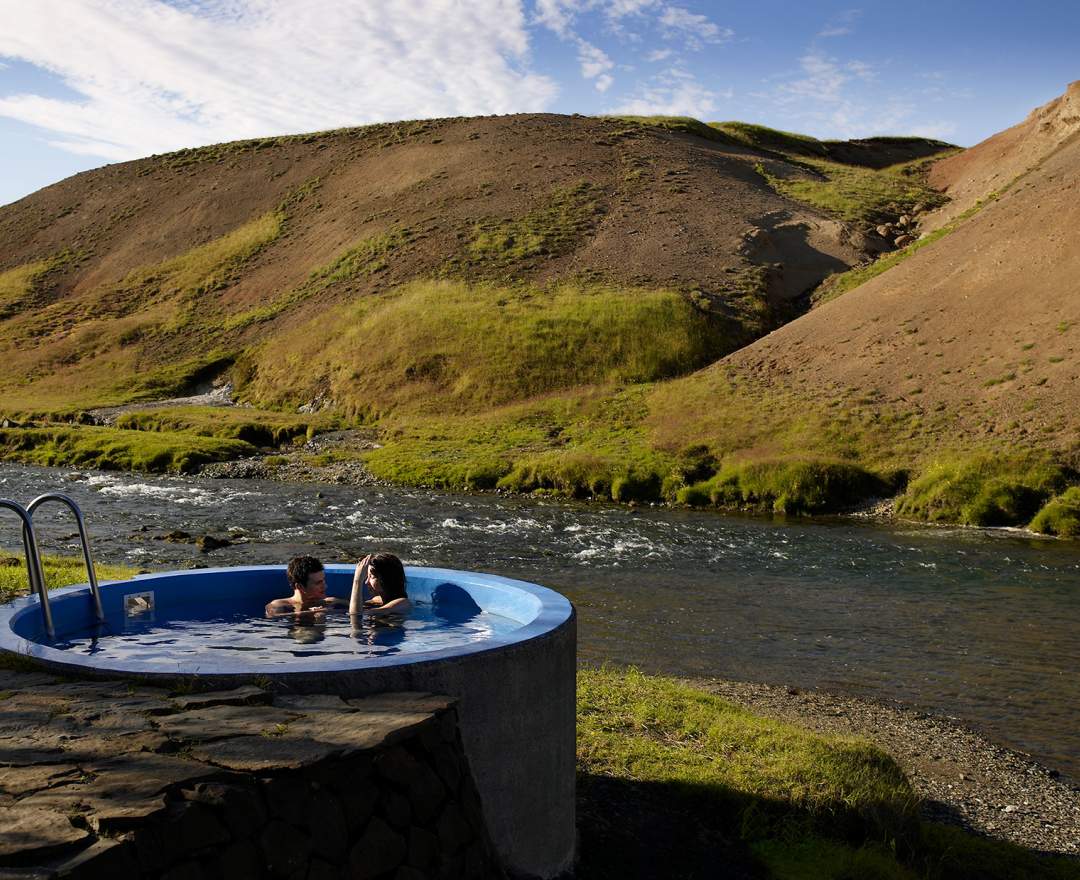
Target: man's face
<point x="315" y="589"/>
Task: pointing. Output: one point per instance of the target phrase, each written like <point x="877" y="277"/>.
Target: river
<point x="983" y="626"/>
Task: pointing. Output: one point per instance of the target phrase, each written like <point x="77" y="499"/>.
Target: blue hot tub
<point x="505" y="648"/>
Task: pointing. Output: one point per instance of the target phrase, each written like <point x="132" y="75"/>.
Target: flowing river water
<point x="982" y="626"/>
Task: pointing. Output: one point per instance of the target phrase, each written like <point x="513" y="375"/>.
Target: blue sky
<point x="85" y="82"/>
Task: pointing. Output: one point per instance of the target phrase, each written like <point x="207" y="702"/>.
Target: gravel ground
<point x="964" y="778"/>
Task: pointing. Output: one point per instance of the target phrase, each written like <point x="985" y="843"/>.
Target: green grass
<point x="761" y="137"/>
<point x="984" y="489"/>
<point x="656" y="753"/>
<point x="1060" y="516"/>
<point x="580" y="444"/>
<point x="116" y="449"/>
<point x="789" y="486"/>
<point x="447" y="345"/>
<point x="256" y="427"/>
<point x="554" y="227"/>
<point x="856" y="194"/>
<point x="367" y="257"/>
<point x="685" y="124"/>
<point x="60" y="571"/>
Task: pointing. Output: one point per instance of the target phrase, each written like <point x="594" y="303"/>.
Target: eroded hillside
<point x="134" y="280"/>
<point x="561" y="304"/>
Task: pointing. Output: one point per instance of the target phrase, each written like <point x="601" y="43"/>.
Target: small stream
<point x="982" y="626"/>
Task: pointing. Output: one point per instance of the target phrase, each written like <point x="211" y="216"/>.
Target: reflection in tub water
<point x="448" y="620"/>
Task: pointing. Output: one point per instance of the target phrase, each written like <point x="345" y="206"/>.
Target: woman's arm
<point x="395" y="606"/>
<point x="356" y="599"/>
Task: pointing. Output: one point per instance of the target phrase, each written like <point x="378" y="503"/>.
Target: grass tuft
<point x="1060" y="516"/>
<point x="790" y="486"/>
<point x="981" y="489"/>
<point x="117" y="450"/>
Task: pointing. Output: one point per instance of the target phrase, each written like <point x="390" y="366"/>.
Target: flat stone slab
<point x="29" y="833"/>
<point x="108" y="754"/>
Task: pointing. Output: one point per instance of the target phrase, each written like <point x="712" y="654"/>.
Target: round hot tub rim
<point x="552" y="612"/>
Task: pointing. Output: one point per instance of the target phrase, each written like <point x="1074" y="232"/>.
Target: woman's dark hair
<point x="301" y="567"/>
<point x="391" y="574"/>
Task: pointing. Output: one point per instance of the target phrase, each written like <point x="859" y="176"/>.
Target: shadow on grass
<point x="633" y="829"/>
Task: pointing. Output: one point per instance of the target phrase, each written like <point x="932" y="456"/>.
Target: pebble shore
<point x="964" y="778"/>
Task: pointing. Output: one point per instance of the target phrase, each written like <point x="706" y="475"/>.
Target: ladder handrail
<point x="33" y="562"/>
<point x="95" y="592"/>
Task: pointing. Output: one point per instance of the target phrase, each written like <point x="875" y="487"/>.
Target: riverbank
<point x="962" y="778"/>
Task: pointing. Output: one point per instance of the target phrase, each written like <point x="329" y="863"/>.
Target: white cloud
<point x="603" y="83"/>
<point x="841" y="25"/>
<point x="695" y="29"/>
<point x="659" y="55"/>
<point x="594" y="60"/>
<point x="672" y="93"/>
<point x="155" y="77"/>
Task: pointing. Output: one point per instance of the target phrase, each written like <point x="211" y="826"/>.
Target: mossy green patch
<point x="984" y="489"/>
<point x="1060" y="516"/>
<point x="446" y="344"/>
<point x="256" y="427"/>
<point x="367" y="257"/>
<point x="115" y="449"/>
<point x="19" y="285"/>
<point x="554" y="227"/>
<point x="761" y="137"/>
<point x="856" y="194"/>
<point x="790" y="486"/>
<point x="686" y="124"/>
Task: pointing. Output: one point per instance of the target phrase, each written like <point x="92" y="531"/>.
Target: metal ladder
<point x="34" y="571"/>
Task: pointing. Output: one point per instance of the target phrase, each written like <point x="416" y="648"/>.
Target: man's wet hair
<point x="301" y="568"/>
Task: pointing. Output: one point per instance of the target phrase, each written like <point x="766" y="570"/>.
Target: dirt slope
<point x="993" y="164"/>
<point x="974" y="338"/>
<point x="117" y="281"/>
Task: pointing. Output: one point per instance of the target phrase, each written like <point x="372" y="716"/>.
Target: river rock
<point x="206" y="543"/>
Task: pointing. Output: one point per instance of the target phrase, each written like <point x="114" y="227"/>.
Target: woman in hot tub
<point x="384" y="576"/>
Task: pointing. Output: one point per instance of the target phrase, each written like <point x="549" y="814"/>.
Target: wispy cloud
<point x="658" y="55"/>
<point x="841" y="25"/>
<point x="674" y="92"/>
<point x="154" y="77"/>
<point x="695" y="29"/>
<point x="834" y="97"/>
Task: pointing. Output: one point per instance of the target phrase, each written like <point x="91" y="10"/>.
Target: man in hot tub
<point x="308" y="580"/>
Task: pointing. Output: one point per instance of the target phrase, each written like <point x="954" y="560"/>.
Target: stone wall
<point x="109" y="780"/>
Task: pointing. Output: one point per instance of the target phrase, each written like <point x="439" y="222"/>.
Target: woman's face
<point x="373" y="581"/>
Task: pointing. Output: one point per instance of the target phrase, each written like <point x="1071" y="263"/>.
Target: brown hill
<point x="973" y="341"/>
<point x="160" y="268"/>
<point x="994" y="164"/>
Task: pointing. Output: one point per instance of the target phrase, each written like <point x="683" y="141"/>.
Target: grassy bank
<point x="117" y="450"/>
<point x="675" y="782"/>
<point x="60" y="571"/>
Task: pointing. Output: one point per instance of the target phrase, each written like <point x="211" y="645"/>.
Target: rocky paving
<point x="124" y="780"/>
<point x="963" y="778"/>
